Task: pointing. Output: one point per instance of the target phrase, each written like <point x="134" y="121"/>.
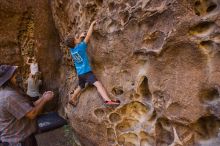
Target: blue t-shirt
<point x="80" y="58"/>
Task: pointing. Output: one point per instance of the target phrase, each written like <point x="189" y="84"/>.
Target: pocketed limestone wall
<point x="160" y="58"/>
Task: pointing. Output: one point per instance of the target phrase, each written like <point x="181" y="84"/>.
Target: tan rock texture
<point x="160" y="58"/>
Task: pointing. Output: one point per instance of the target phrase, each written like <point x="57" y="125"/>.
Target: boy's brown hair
<point x="69" y="42"/>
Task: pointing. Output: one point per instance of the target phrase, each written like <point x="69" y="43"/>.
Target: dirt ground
<point x="59" y="137"/>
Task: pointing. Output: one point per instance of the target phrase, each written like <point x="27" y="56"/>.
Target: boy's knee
<point x="97" y="84"/>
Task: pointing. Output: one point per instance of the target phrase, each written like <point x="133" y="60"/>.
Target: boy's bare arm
<point x="89" y="33"/>
<point x="27" y="61"/>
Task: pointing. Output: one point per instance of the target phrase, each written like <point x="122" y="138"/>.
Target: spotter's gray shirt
<point x="14" y="126"/>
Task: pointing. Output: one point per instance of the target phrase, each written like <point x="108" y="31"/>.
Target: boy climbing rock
<point x="78" y="47"/>
<point x="33" y="66"/>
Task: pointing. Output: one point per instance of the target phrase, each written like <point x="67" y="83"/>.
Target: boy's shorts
<point x="88" y="77"/>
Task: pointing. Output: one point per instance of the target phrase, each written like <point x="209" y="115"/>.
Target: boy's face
<point x="79" y="38"/>
<point x="34" y="60"/>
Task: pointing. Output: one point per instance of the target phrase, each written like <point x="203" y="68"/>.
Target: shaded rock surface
<point x="27" y="30"/>
<point x="160" y="58"/>
<point x="60" y="137"/>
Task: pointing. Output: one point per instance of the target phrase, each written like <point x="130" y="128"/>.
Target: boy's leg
<point x="104" y="94"/>
<point x="91" y="79"/>
<point x="101" y="90"/>
<point x="74" y="97"/>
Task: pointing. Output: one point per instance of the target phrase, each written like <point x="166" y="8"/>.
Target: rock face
<point x="160" y="58"/>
